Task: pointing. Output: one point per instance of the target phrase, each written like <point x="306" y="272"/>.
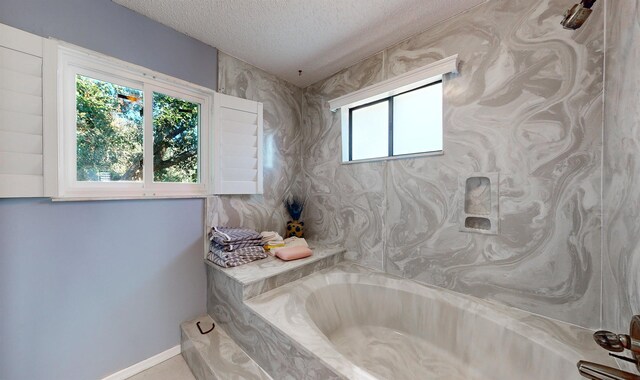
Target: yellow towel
<point x="273" y="245"/>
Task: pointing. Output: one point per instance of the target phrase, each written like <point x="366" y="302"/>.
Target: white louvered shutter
<point x="237" y="145"/>
<point x="21" y="114"/>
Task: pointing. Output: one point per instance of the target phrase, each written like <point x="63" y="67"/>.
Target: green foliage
<point x="108" y="132"/>
<point x="175" y="139"/>
<point x="110" y="123"/>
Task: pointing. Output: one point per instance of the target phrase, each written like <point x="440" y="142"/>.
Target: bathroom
<point x="99" y="288"/>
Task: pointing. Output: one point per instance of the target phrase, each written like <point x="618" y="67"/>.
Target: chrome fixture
<point x="619" y="342"/>
<point x="600" y="372"/>
<point x="616" y="343"/>
<point x="577" y="15"/>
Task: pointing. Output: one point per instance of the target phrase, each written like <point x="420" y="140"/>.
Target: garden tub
<point x="369" y="325"/>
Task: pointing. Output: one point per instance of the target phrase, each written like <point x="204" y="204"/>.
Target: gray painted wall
<point x="89" y="288"/>
<point x="111" y="29"/>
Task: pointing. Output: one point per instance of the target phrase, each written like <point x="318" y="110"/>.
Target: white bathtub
<point x="369" y="325"/>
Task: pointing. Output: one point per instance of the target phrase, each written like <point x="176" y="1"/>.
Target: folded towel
<point x="292" y="253"/>
<point x="295" y="242"/>
<point x="238" y="257"/>
<point x="236" y="245"/>
<point x="230" y="239"/>
<point x="230" y="235"/>
<point x="270" y="247"/>
<point x="271" y="237"/>
<point x="240" y="252"/>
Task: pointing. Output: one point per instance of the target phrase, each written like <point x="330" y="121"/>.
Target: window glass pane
<point x="370" y="131"/>
<point x="109" y="127"/>
<point x="175" y="139"/>
<point x="417" y="121"/>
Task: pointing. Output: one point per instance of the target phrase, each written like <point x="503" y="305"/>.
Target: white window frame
<point x="74" y="61"/>
<point x="389" y="88"/>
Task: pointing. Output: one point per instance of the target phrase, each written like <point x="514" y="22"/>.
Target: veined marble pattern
<point x="621" y="269"/>
<point x="346" y="204"/>
<point x="278" y="355"/>
<point x="263" y="275"/>
<point x="338" y="312"/>
<point x="282" y="148"/>
<point x="216" y="356"/>
<point x="527" y="104"/>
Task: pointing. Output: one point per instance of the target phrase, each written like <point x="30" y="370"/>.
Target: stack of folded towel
<point x="271" y="240"/>
<point x="231" y="247"/>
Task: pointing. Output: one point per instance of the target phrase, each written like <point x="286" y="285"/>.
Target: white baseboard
<point x="145" y="364"/>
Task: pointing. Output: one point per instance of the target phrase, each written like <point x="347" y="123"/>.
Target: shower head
<point x="609" y="341"/>
<point x="577" y="15"/>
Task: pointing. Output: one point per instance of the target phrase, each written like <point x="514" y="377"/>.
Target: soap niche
<point x="477" y="199"/>
<point x="479" y="203"/>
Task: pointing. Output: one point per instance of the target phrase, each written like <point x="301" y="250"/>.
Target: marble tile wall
<point x="282" y="147"/>
<point x="346" y="203"/>
<point x="621" y="261"/>
<point x="528" y="104"/>
<point x="215" y="355"/>
<point x="265" y="344"/>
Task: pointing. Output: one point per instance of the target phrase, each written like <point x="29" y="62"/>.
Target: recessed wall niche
<point x="479" y="203"/>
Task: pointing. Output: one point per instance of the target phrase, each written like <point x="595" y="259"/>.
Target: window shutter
<point x="21" y="114"/>
<point x="237" y="145"/>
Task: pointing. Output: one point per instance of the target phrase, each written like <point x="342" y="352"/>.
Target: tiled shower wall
<point x="527" y="104"/>
<point x="621" y="259"/>
<point x="282" y="147"/>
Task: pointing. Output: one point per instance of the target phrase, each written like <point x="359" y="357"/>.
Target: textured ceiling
<point x="319" y="37"/>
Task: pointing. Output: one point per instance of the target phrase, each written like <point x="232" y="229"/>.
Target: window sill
<point x="124" y="198"/>
<point x="400" y="157"/>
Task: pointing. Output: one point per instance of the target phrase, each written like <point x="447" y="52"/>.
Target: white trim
<point x="221" y="183"/>
<point x="128" y="197"/>
<point x="21" y="137"/>
<point x="145" y="364"/>
<point x="344" y="127"/>
<point x="20" y="40"/>
<point x="259" y="184"/>
<point x="400" y="157"/>
<point x="401" y="83"/>
<point x="50" y="143"/>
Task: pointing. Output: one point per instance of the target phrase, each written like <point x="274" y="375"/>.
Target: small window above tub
<point x="399" y="117"/>
<point x="405" y="124"/>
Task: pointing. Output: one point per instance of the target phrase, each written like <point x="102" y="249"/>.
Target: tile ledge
<point x="261" y="270"/>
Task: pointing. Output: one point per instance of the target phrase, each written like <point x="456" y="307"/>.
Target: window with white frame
<point x="129" y="132"/>
<point x="407" y="123"/>
<point x="400" y="117"/>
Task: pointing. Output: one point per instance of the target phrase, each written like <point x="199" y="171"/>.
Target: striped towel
<point x="239" y="256"/>
<point x="233" y="235"/>
<point x="229" y="247"/>
<point x="230" y="239"/>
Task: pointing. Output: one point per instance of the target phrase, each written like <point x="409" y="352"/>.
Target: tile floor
<point x="173" y="369"/>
